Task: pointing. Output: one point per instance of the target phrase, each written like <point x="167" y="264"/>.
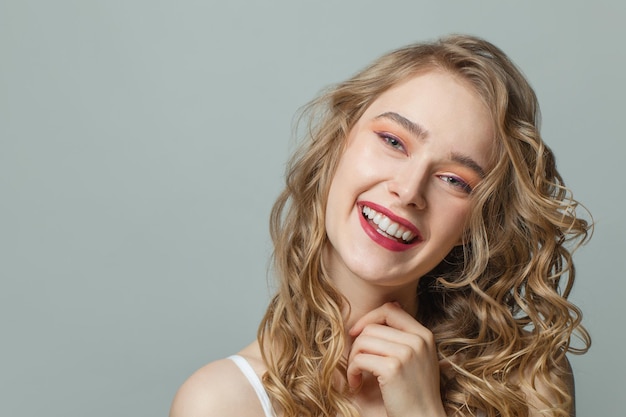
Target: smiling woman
<point x="422" y="250"/>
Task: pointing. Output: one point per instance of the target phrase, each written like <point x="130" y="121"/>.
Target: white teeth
<point x="385" y="224"/>
<point x="369" y="213"/>
<point x="393" y="229"/>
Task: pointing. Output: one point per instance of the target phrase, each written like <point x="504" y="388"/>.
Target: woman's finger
<point x="392" y="315"/>
<point x="386" y="341"/>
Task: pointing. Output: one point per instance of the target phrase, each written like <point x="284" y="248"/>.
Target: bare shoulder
<point x="217" y="389"/>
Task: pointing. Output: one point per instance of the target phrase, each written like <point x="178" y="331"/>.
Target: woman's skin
<point x="414" y="156"/>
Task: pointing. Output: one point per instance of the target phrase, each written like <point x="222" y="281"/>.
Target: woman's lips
<point x="387" y="229"/>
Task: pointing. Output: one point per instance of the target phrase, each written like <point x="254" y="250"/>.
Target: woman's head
<point x="509" y="99"/>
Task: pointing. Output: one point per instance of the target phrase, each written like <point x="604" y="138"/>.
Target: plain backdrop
<point x="143" y="142"/>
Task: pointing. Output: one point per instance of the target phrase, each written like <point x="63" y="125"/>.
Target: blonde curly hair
<point x="497" y="305"/>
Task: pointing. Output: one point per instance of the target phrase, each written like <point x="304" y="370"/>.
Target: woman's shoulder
<point x="219" y="388"/>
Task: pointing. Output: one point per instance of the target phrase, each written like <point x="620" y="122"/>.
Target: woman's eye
<point x="457" y="182"/>
<point x="392" y="141"/>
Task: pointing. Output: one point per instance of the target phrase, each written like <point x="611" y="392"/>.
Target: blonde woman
<point x="423" y="249"/>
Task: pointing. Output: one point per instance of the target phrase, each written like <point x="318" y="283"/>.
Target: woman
<point x="423" y="246"/>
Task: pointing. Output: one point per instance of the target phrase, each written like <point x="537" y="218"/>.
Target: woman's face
<point x="400" y="197"/>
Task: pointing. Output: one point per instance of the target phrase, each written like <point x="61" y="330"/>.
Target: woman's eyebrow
<point x="419" y="132"/>
<point x="414" y="128"/>
<point x="469" y="163"/>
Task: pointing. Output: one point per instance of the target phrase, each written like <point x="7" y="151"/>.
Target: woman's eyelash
<point x="453" y="180"/>
<point x="391" y="140"/>
<point x="457" y="183"/>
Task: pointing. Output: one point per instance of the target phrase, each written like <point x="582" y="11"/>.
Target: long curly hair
<point x="497" y="305"/>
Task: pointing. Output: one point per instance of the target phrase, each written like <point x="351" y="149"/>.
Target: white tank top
<point x="256" y="383"/>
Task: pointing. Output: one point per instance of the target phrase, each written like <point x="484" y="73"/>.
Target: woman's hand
<point x="401" y="354"/>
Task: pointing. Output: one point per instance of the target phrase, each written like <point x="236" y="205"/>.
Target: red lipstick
<point x="380" y="237"/>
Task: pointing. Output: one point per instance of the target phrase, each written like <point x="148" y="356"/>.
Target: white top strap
<point x="256" y="383"/>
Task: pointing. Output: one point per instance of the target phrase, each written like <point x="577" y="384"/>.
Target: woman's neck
<point x="364" y="297"/>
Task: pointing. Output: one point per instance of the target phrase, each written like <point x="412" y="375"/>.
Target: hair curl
<point x="497" y="306"/>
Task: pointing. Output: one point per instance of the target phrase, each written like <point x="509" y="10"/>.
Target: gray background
<point x="142" y="144"/>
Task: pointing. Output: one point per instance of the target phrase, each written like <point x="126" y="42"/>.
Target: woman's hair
<point x="497" y="305"/>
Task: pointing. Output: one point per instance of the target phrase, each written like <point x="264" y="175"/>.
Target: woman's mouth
<point x="387" y="227"/>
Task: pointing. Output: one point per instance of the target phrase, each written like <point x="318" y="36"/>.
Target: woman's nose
<point x="409" y="185"/>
